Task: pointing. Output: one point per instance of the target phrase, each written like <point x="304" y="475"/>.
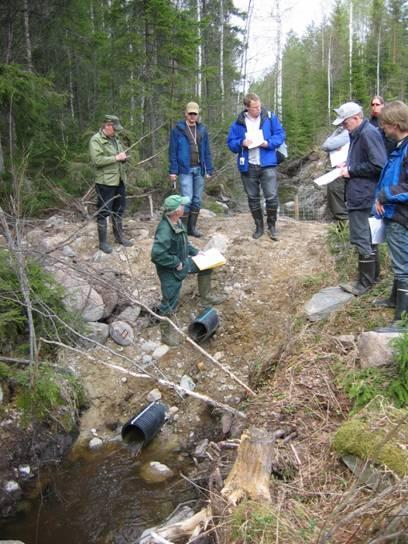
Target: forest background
<point x="66" y="63"/>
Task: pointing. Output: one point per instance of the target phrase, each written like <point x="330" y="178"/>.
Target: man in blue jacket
<point x="392" y="202"/>
<point x="365" y="160"/>
<point x="190" y="160"/>
<point x="255" y="137"/>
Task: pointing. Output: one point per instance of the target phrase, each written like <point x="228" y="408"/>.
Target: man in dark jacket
<point x="171" y="253"/>
<point x="190" y="160"/>
<point x="365" y="160"/>
<point x="255" y="137"/>
<point x="392" y="202"/>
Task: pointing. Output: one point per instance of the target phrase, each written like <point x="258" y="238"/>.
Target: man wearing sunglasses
<point x="377" y="105"/>
<point x="190" y="161"/>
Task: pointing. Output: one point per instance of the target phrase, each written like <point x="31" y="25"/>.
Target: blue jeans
<point x="397" y="241"/>
<point x="192" y="185"/>
<point x="257" y="178"/>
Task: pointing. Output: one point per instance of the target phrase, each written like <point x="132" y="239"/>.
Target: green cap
<point x="172" y="202"/>
<point x="114" y="120"/>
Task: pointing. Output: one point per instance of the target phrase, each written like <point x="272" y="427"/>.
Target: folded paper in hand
<point x="329" y="177"/>
<point x="211" y="258"/>
<point x="377" y="229"/>
<point x="257" y="138"/>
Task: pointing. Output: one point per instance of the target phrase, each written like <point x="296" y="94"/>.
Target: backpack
<point x="282" y="152"/>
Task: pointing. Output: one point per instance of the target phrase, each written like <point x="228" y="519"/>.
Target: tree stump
<point x="250" y="475"/>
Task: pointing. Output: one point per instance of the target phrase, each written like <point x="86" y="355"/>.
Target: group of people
<point x="371" y="183"/>
<point x="376" y="184"/>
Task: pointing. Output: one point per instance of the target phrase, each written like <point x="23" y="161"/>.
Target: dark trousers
<point x="335" y="199"/>
<point x="360" y="234"/>
<point x="171" y="282"/>
<point x="111" y="200"/>
<point x="261" y="178"/>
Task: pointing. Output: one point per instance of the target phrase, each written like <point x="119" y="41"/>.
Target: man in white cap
<point x="190" y="160"/>
<point x="366" y="158"/>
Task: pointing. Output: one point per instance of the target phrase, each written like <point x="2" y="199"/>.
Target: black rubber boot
<point x="259" y="223"/>
<point x="192" y="222"/>
<point x="389" y="302"/>
<point x="117" y="227"/>
<point x="401" y="304"/>
<point x="366" y="275"/>
<point x="185" y="219"/>
<point x="102" y="235"/>
<point x="377" y="263"/>
<point x="271" y="216"/>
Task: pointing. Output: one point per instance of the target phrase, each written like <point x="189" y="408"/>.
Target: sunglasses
<point x="192" y="113"/>
<point x="375" y="104"/>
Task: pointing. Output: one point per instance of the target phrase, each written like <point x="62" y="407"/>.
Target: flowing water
<point x="99" y="498"/>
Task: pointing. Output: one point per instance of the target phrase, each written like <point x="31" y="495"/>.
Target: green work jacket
<point x="171" y="247"/>
<point x="102" y="150"/>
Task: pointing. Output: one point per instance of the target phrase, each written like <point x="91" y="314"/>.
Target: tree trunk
<point x="199" y="52"/>
<point x="27" y="36"/>
<point x="377" y="86"/>
<point x="351" y="49"/>
<point x="244" y="56"/>
<point x="278" y="19"/>
<point x="222" y="88"/>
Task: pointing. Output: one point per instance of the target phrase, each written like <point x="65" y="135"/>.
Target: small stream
<point x="99" y="498"/>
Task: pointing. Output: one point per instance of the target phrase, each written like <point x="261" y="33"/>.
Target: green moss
<point x="376" y="438"/>
<point x="214" y="207"/>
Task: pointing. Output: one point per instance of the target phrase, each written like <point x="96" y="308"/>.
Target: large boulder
<point x="79" y="295"/>
<point x="375" y="347"/>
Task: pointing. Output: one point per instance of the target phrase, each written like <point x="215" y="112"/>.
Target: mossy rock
<point x="379" y="434"/>
<point x="214" y="207"/>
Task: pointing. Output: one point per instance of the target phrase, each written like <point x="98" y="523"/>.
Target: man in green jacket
<point x="171" y="253"/>
<point x="108" y="156"/>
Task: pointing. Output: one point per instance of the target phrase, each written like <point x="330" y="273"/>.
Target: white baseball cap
<point x="349" y="109"/>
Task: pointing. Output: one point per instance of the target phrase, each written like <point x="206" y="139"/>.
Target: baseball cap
<point x="172" y="202"/>
<point x="193" y="107"/>
<point x="349" y="109"/>
<point x="114" y="120"/>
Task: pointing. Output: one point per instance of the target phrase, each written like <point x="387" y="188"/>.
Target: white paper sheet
<point x="328" y="178"/>
<point x="339" y="156"/>
<point x="257" y="138"/>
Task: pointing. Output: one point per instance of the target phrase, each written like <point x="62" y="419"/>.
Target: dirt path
<point x="262" y="279"/>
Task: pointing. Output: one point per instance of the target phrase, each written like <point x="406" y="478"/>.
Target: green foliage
<point x="46" y="394"/>
<point x="399" y="386"/>
<point x="362" y="386"/>
<point x="254" y="522"/>
<point x="47" y="299"/>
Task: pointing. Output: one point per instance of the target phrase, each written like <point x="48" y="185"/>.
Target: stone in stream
<point x="155" y="472"/>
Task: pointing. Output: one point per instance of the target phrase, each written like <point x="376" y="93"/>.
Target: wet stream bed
<point x="100" y="498"/>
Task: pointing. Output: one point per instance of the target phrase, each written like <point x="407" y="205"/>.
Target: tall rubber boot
<point x="259" y="223"/>
<point x="102" y="235"/>
<point x="366" y="275"/>
<point x="271" y="216"/>
<point x="168" y="335"/>
<point x="192" y="223"/>
<point x="204" y="288"/>
<point x="185" y="218"/>
<point x="402" y="299"/>
<point x="117" y="228"/>
<point x="389" y="302"/>
<point x="377" y="263"/>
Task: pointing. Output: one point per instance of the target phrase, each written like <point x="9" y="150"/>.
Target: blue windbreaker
<point x="179" y="150"/>
<point x="392" y="188"/>
<point x="273" y="133"/>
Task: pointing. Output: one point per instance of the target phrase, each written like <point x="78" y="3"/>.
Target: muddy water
<point x="99" y="498"/>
